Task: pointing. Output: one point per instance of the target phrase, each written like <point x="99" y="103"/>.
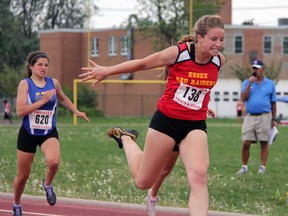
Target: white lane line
<point x="31" y="213"/>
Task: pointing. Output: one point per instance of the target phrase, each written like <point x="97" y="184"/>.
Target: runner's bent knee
<point x="144" y="184"/>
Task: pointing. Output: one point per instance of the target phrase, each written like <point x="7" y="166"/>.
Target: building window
<point x="94" y="47"/>
<point x="124" y="45"/>
<point x="267" y="44"/>
<point x="285" y="45"/>
<point x="238" y="44"/>
<point x="112" y="46"/>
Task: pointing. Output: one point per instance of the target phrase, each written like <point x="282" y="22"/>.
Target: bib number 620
<point x="42" y="119"/>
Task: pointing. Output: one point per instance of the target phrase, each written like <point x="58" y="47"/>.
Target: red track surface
<point x="78" y="207"/>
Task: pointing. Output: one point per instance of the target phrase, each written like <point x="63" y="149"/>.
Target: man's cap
<point x="257" y="64"/>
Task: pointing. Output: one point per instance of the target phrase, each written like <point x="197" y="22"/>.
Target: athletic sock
<point x="49" y="186"/>
<point x="16" y="205"/>
<point x="262" y="167"/>
<point x="152" y="197"/>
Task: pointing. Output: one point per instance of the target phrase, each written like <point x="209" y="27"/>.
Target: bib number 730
<point x="190" y="96"/>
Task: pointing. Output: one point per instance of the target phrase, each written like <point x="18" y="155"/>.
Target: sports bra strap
<point x="192" y="51"/>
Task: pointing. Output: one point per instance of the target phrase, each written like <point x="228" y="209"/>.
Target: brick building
<point x="68" y="52"/>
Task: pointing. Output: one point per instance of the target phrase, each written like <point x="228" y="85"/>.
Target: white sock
<point x="16" y="205"/>
<point x="263" y="167"/>
<point x="245" y="167"/>
<point x="151" y="197"/>
<point x="47" y="186"/>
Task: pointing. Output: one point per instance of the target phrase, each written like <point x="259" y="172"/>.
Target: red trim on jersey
<point x="186" y="71"/>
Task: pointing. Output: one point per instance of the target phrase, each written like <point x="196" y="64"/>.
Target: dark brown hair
<point x="32" y="59"/>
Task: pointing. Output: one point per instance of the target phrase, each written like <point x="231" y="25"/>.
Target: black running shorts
<point x="175" y="128"/>
<point x="28" y="143"/>
<point x="7" y="116"/>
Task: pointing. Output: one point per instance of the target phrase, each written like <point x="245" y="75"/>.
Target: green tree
<point x="27" y="12"/>
<point x="169" y="19"/>
<point x="87" y="101"/>
<point x="271" y="71"/>
<point x="13" y="42"/>
<point x="9" y="80"/>
<point x="45" y="14"/>
<point x="21" y="20"/>
<point x="66" y="14"/>
<point x="19" y="25"/>
<point x="14" y="46"/>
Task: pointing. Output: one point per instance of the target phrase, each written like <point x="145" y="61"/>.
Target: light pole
<point x="88" y="33"/>
<point x="191" y="16"/>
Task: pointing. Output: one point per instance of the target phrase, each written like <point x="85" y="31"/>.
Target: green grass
<point x="92" y="167"/>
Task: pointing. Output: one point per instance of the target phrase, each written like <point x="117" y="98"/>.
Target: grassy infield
<point x="92" y="167"/>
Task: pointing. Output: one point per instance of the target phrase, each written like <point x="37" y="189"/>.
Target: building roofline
<point x="65" y="30"/>
<point x="227" y="26"/>
<point x="69" y="30"/>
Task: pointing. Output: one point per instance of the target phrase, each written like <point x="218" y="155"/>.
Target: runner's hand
<point x="211" y="113"/>
<point x="97" y="73"/>
<point x="47" y="96"/>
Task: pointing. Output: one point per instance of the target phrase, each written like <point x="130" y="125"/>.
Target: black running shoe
<point x="17" y="210"/>
<point x="50" y="195"/>
<point x="116" y="133"/>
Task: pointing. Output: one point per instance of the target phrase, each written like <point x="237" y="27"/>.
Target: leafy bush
<point x="87" y="102"/>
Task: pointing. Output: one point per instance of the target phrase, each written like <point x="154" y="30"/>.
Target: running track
<point x="33" y="205"/>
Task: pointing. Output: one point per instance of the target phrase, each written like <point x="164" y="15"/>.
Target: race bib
<point x="41" y="119"/>
<point x="190" y="96"/>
